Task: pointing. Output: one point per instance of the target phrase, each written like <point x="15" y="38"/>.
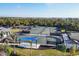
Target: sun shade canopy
<point x="27" y="38"/>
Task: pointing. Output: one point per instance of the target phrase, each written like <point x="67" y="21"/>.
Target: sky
<point x="39" y="9"/>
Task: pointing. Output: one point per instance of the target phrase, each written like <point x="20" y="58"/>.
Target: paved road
<point x="68" y="42"/>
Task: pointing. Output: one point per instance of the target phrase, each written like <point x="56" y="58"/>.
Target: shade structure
<point x="33" y="39"/>
<point x="28" y="42"/>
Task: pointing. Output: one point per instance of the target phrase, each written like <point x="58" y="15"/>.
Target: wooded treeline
<point x="66" y="23"/>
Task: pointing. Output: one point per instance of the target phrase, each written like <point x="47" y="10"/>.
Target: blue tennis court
<point x="24" y="42"/>
<point x="33" y="39"/>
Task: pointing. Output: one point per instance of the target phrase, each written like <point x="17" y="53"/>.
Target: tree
<point x="69" y="23"/>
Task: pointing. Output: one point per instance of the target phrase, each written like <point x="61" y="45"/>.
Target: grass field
<point x="47" y="52"/>
<point x="15" y="30"/>
<point x="32" y="52"/>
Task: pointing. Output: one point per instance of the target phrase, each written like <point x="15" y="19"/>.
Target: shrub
<point x="73" y="50"/>
<point x="61" y="47"/>
<point x="9" y="50"/>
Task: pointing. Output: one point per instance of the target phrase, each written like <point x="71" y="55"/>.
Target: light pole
<point x="30" y="48"/>
<point x="14" y="45"/>
<point x="36" y="44"/>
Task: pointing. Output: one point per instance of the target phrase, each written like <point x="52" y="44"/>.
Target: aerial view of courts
<point x="37" y="37"/>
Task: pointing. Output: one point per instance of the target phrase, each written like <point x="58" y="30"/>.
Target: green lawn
<point x="46" y="52"/>
<point x="32" y="52"/>
<point x="15" y="30"/>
